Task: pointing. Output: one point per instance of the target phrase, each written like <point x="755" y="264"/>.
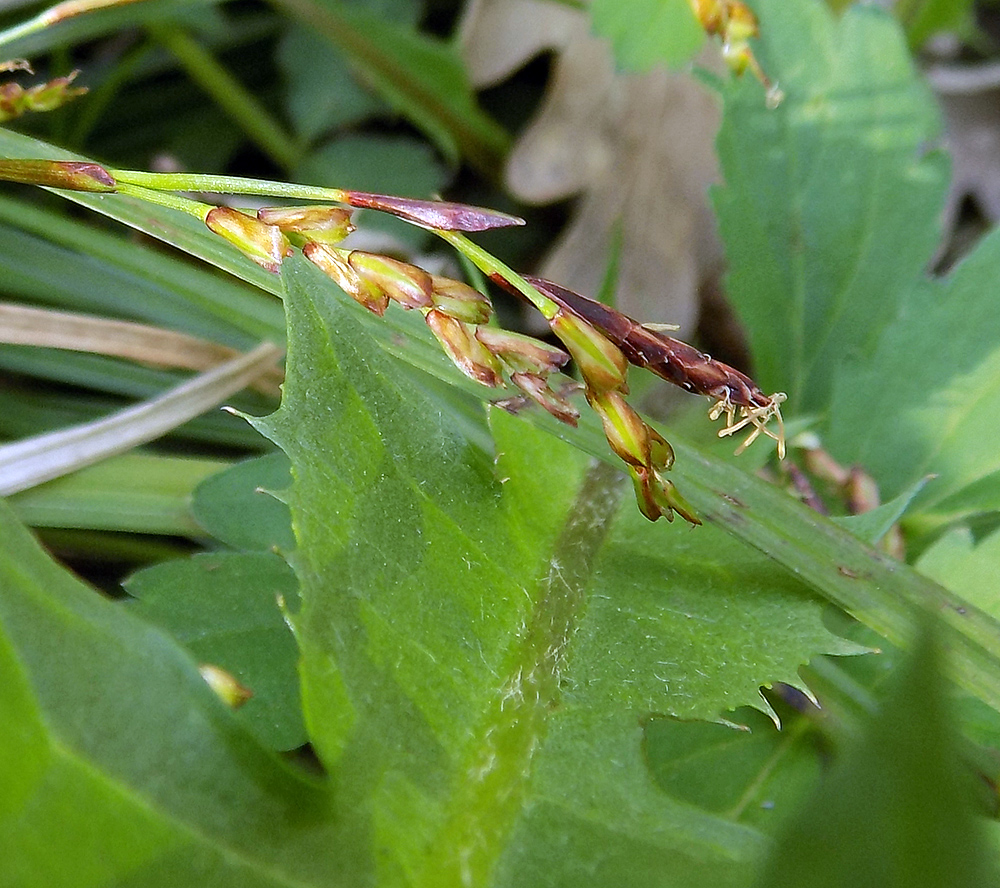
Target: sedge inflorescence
<point x="602" y="342"/>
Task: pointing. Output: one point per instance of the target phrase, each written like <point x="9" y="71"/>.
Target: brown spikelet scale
<point x="439" y="214"/>
<point x="736" y="395"/>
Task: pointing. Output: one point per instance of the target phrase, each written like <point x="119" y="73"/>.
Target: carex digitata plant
<point x="602" y="342"/>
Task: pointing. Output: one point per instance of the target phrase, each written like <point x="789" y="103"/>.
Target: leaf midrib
<point x="492" y="783"/>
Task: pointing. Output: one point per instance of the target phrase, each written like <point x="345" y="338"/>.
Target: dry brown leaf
<point x="636" y="148"/>
<point x="970" y="99"/>
<point x="499" y="36"/>
<point x="48" y="328"/>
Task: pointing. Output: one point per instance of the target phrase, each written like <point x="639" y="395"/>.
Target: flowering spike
<point x="753" y="414"/>
<point x="462" y="302"/>
<point x="661" y="454"/>
<point x="264" y="244"/>
<point x="627" y="434"/>
<point x="434" y="214"/>
<point x="406" y="284"/>
<point x="734" y="393"/>
<point x="644" y="498"/>
<point x="666" y="496"/>
<point x="71" y="174"/>
<point x="334" y="264"/>
<point x="327" y="225"/>
<point x="468" y="353"/>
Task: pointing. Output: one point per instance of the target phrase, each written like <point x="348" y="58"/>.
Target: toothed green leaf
<point x="482" y="635"/>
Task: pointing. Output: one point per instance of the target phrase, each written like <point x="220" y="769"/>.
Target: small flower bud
<point x="74" y="175"/>
<point x="468" y="353"/>
<point x="601" y="362"/>
<point x="225" y="685"/>
<point x="433" y="213"/>
<point x="404" y="283"/>
<point x="741" y="23"/>
<point x="658" y="498"/>
<point x="326" y="225"/>
<point x="334" y="264"/>
<point x="15" y="100"/>
<point x="625" y="430"/>
<point x="670" y="501"/>
<point x="462" y="302"/>
<point x="709" y="14"/>
<point x="644" y="498"/>
<point x="536" y="388"/>
<point x="523" y="354"/>
<point x="661" y="454"/>
<point x="264" y="244"/>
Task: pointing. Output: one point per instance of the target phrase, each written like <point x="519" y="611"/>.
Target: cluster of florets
<point x="602" y="341"/>
<point x="457" y="314"/>
<point x="15" y="100"/>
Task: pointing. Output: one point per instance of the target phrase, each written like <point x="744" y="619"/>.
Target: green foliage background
<point x="504" y="674"/>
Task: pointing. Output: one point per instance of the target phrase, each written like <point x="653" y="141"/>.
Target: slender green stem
<point x="25" y="29"/>
<point x="213" y="184"/>
<point x="230" y="95"/>
<point x="175" y="202"/>
<point x="490" y="265"/>
<point x="54" y="15"/>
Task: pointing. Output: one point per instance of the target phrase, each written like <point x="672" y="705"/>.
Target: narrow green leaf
<point x="175" y="228"/>
<point x="646" y="33"/>
<point x="883" y="594"/>
<point x="25" y="412"/>
<point x="54" y="260"/>
<point x="830" y="203"/>
<point x="871" y="526"/>
<point x="421" y="78"/>
<point x="20" y="41"/>
<point x="23" y="464"/>
<point x="136" y="492"/>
